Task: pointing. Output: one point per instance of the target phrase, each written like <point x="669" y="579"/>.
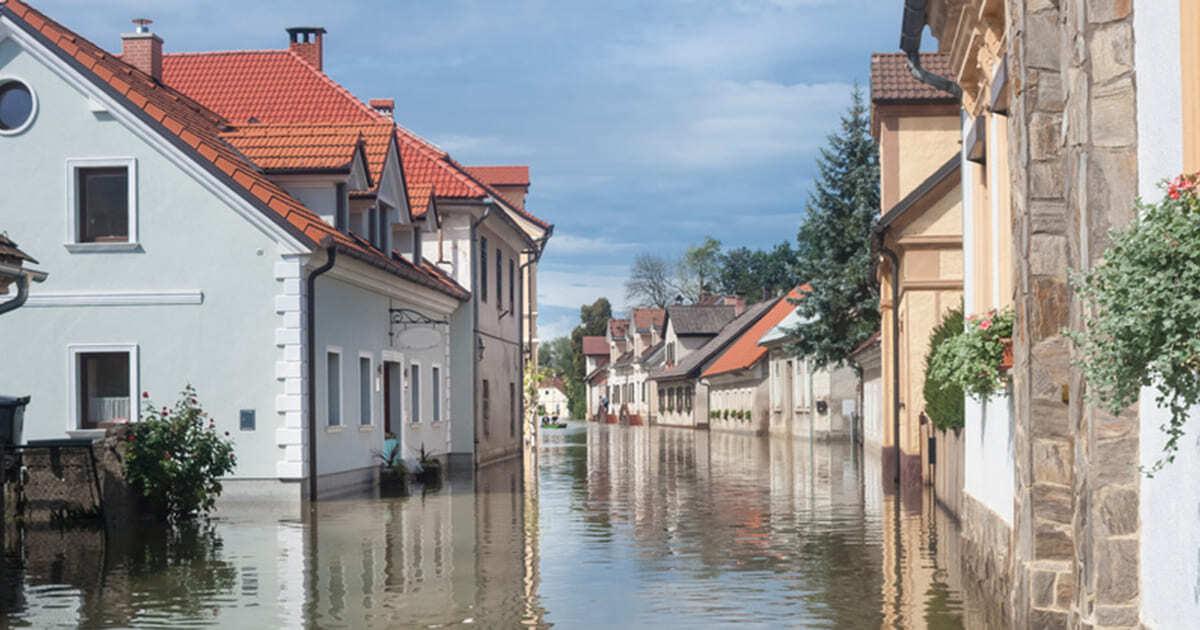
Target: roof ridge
<point x="247" y="51"/>
<point x="338" y="86"/>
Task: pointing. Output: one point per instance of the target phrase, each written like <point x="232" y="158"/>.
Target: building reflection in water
<point x="608" y="526"/>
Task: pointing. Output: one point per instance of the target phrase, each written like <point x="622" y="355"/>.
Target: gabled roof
<point x="946" y="175"/>
<point x="745" y="351"/>
<point x="625" y="360"/>
<point x="618" y="328"/>
<point x="196" y="131"/>
<point x="893" y="82"/>
<point x="593" y="346"/>
<point x="501" y="175"/>
<point x="646" y="318"/>
<point x="691" y="365"/>
<point x="648" y="355"/>
<point x="311" y="147"/>
<point x="699" y="320"/>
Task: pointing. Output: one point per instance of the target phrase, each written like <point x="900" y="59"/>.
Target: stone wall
<point x="985" y="555"/>
<point x="1073" y="145"/>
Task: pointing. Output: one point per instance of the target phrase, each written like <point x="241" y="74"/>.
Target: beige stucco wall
<point x="925" y="143"/>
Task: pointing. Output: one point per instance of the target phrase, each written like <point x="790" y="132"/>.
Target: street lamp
<point x="14" y="271"/>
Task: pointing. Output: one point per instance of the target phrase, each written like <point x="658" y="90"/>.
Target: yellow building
<point x="919" y="239"/>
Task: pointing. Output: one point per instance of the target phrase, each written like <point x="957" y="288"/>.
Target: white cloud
<point x="476" y="148"/>
<point x="580" y="285"/>
<point x="571" y="244"/>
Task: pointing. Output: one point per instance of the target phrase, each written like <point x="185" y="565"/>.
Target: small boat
<point x="553" y="423"/>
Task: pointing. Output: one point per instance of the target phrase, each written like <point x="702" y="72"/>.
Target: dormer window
<point x="102" y="204"/>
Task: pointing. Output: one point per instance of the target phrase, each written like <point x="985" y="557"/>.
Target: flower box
<point x="1006" y="361"/>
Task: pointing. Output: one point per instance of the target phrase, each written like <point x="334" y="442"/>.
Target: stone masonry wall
<point x="1073" y="146"/>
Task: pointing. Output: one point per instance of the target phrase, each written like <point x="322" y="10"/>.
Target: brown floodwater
<point x="611" y="527"/>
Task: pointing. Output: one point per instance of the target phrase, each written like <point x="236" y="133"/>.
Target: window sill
<point x="366" y="428"/>
<point x="86" y="434"/>
<point x="334" y="429"/>
<point x="103" y="248"/>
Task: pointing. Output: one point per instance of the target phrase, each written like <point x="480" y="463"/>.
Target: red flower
<point x="985" y="324"/>
<point x="145" y="394"/>
<point x="130" y="437"/>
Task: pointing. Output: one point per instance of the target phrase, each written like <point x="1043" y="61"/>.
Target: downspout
<point x="895" y="262"/>
<point x="310" y="299"/>
<point x="910" y="43"/>
<point x="475" y="340"/>
<point x="537" y="255"/>
<point x="22" y="283"/>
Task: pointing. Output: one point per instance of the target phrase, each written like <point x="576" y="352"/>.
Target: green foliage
<point x="593" y="320"/>
<point x="1143" y="313"/>
<point x="944" y="400"/>
<point x="758" y="274"/>
<point x="971" y="360"/>
<point x="699" y="269"/>
<point x="175" y="458"/>
<point x="841" y="310"/>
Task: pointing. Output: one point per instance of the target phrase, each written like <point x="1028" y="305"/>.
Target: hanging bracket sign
<point x="413" y="330"/>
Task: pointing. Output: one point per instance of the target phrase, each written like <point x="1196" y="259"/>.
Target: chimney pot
<point x="142" y="49"/>
<point x="384" y="106"/>
<point x="309" y="43"/>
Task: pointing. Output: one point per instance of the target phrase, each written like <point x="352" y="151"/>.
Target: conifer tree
<point x="842" y="309"/>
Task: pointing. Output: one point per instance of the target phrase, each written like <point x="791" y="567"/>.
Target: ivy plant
<point x="972" y="359"/>
<point x="944" y="399"/>
<point x="1142" y="313"/>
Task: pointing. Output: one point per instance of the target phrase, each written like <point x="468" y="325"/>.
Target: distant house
<point x="597" y="355"/>
<point x="628" y="373"/>
<point x="552" y="399"/>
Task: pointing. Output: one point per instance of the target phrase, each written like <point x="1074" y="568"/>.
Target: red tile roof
<point x="299" y="147"/>
<point x="420" y="199"/>
<point x="744" y="352"/>
<point x="198" y="132"/>
<point x="619" y="328"/>
<point x="247" y="85"/>
<point x="644" y="318"/>
<point x="501" y="175"/>
<point x="892" y="81"/>
<point x="593" y="346"/>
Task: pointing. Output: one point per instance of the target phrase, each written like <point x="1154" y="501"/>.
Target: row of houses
<point x="238" y="220"/>
<point x="720" y="365"/>
<point x="1007" y="156"/>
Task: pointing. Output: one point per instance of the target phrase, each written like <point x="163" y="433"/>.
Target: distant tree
<point x="593" y="320"/>
<point x="557" y="356"/>
<point x="699" y="270"/>
<point x="650" y="282"/>
<point x="758" y="274"/>
<point x="842" y="308"/>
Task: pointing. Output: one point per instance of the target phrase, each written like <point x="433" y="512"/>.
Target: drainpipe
<point x="910" y="43"/>
<point x="310" y="325"/>
<point x="895" y="262"/>
<point x="475" y="338"/>
<point x="537" y="255"/>
<point x="22" y="283"/>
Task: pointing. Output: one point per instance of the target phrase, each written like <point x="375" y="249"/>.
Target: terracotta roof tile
<point x="593" y="346"/>
<point x="317" y="146"/>
<point x="645" y="318"/>
<point x="744" y="352"/>
<point x="501" y="175"/>
<point x="892" y="81"/>
<point x="618" y="328"/>
<point x="172" y="109"/>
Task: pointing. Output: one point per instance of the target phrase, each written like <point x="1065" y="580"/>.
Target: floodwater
<point x="612" y="527"/>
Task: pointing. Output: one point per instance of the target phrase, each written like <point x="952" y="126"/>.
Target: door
<point x="393" y="390"/>
<point x="787" y="396"/>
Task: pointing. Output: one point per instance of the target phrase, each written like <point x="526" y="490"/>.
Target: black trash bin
<point x="12" y="419"/>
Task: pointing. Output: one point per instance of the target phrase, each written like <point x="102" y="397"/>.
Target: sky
<point x="647" y="124"/>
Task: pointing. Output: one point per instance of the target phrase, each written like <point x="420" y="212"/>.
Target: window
<point x="483" y="270"/>
<point x="105" y="382"/>
<point x="414" y="385"/>
<point x="688" y="395"/>
<point x="512" y="410"/>
<point x="499" y="279"/>
<point x="671" y="353"/>
<point x="487" y="408"/>
<point x="364" y="391"/>
<point x="333" y="387"/>
<point x="416" y="246"/>
<point x="382" y="230"/>
<point x="435" y="390"/>
<point x="102" y="202"/>
<point x="341" y="217"/>
<point x="512" y="285"/>
<point x="17" y="107"/>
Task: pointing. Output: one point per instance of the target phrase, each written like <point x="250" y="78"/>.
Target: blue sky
<point x="647" y="123"/>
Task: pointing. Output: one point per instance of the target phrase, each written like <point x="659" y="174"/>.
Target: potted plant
<point x="430" y="473"/>
<point x="974" y="358"/>
<point x="393" y="472"/>
<point x="1142" y="312"/>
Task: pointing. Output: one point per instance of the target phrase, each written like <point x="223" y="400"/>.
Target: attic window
<point x="17" y="106"/>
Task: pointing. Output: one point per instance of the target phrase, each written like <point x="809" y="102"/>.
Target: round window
<point x="16" y="106"/>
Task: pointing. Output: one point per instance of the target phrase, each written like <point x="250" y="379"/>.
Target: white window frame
<point x="372" y="389"/>
<point x="341" y="402"/>
<point x="74" y="425"/>
<point x="414" y="415"/>
<point x="437" y="397"/>
<point x="72" y="241"/>
<point x="33" y="97"/>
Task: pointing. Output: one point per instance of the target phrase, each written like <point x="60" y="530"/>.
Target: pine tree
<point x="842" y="309"/>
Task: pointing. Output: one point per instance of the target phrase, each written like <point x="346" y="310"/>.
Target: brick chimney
<point x="142" y="49"/>
<point x="307" y="41"/>
<point x="384" y="106"/>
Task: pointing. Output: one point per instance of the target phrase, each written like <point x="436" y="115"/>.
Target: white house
<point x="181" y="252"/>
<point x="552" y="399"/>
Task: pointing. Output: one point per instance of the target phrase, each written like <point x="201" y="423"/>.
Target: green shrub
<point x="1142" y="313"/>
<point x="175" y="458"/>
<point x="971" y="360"/>
<point x="944" y="399"/>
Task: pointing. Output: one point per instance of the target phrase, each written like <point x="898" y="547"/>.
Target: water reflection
<point x="608" y="526"/>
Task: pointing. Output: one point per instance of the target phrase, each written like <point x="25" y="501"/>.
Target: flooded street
<point x="618" y="526"/>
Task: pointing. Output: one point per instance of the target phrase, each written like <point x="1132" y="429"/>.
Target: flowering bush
<point x="175" y="457"/>
<point x="1143" y="312"/>
<point x="944" y="400"/>
<point x="972" y="359"/>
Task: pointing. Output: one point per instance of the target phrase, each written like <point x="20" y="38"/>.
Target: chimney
<point x="142" y="49"/>
<point x="307" y="41"/>
<point x="384" y="106"/>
